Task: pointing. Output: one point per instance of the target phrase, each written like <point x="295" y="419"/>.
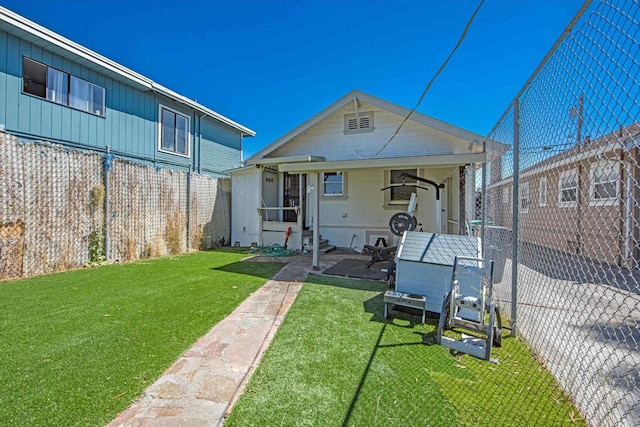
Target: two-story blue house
<point x="56" y="90"/>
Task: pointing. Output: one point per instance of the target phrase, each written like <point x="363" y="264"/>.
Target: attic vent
<point x="364" y="124"/>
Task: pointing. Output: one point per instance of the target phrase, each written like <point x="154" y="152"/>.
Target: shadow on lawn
<point x="263" y="270"/>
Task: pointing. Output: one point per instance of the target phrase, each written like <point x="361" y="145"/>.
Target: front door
<point x="293" y="184"/>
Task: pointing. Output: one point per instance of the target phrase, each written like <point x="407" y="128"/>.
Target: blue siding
<point x="220" y="148"/>
<point x="3" y="76"/>
<point x="130" y="127"/>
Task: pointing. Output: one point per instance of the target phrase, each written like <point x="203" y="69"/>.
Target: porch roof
<point x="390" y="162"/>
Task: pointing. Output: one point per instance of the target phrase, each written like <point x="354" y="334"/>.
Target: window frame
<point x="524" y="189"/>
<point x="506" y="196"/>
<point x="542" y="195"/>
<point x="593" y="168"/>
<point x="572" y="203"/>
<point x="394" y="204"/>
<point x="359" y="129"/>
<point x="68" y="94"/>
<point x="160" y="130"/>
<point x="331" y="196"/>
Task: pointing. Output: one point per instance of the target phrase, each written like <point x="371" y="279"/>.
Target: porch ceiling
<point x="392" y="162"/>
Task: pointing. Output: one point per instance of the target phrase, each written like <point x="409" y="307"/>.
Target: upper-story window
<point x="361" y="123"/>
<point x="62" y="88"/>
<point x="174" y="132"/>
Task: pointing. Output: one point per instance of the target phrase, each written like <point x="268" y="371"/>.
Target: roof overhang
<point x="393" y="162"/>
<point x="475" y="140"/>
<point x="288" y="159"/>
<point x="16" y="24"/>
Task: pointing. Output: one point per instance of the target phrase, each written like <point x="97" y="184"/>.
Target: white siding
<point x="245" y="221"/>
<point x="364" y="210"/>
<point x="327" y="139"/>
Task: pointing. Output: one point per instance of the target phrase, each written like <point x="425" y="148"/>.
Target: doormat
<point x="355" y="268"/>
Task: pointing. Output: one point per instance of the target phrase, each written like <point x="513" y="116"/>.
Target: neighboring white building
<point x="345" y="155"/>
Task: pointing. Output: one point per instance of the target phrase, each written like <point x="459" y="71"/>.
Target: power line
<point x="442" y="67"/>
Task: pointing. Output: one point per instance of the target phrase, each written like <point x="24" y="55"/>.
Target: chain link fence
<point x="54" y="200"/>
<point x="561" y="210"/>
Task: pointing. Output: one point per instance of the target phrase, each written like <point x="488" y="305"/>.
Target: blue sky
<point x="270" y="65"/>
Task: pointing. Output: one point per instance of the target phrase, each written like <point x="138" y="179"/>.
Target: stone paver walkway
<point x="202" y="386"/>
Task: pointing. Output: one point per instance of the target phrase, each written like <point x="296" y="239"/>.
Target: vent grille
<point x="362" y="123"/>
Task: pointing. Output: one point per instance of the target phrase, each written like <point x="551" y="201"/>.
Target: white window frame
<point x="524" y="198"/>
<point x="367" y="115"/>
<point x="334" y="196"/>
<point x="568" y="204"/>
<point x="542" y="191"/>
<point x="69" y="98"/>
<point x="506" y="196"/>
<point x="599" y="166"/>
<point x="188" y="142"/>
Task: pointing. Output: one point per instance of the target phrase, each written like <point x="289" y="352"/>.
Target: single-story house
<point x="339" y="175"/>
<point x="579" y="201"/>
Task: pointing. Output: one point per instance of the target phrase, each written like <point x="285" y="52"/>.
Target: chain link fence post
<point x="515" y="217"/>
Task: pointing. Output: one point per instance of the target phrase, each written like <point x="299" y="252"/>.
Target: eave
<point x="390" y="162"/>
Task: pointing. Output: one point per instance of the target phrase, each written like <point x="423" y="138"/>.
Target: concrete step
<point x="325" y="249"/>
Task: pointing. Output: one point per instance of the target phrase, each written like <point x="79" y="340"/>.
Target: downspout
<point x="156" y="130"/>
<point x="200" y="142"/>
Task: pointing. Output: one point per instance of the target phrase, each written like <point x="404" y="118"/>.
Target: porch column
<point x="260" y="178"/>
<point x="299" y="217"/>
<point x="316" y="224"/>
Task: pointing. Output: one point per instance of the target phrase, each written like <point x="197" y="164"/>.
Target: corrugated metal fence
<point x="52" y="209"/>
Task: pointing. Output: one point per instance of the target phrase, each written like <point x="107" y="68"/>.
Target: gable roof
<point x="377" y="102"/>
<point x="25" y="29"/>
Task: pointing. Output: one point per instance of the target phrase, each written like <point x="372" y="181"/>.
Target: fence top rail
<point x="567" y="30"/>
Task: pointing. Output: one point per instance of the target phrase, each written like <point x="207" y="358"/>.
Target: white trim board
<point x="398" y="163"/>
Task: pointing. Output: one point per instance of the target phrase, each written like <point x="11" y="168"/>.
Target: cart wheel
<point x="443" y="321"/>
<point x="497" y="336"/>
<point x="391" y="273"/>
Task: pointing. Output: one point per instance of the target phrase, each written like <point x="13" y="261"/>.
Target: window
<point x="604" y="182"/>
<point x="401" y="194"/>
<point x="363" y="122"/>
<point x="57" y="86"/>
<point x="332" y="184"/>
<point x="525" y="201"/>
<point x="568" y="188"/>
<point x="542" y="192"/>
<point x="506" y="200"/>
<point x="174" y="132"/>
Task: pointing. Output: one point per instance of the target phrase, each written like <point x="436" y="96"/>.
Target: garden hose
<point x="273" y="250"/>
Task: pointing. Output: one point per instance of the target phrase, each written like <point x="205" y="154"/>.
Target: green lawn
<point x="78" y="347"/>
<point x="334" y="362"/>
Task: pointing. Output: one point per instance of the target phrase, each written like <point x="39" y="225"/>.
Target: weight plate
<point x="401" y="222"/>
